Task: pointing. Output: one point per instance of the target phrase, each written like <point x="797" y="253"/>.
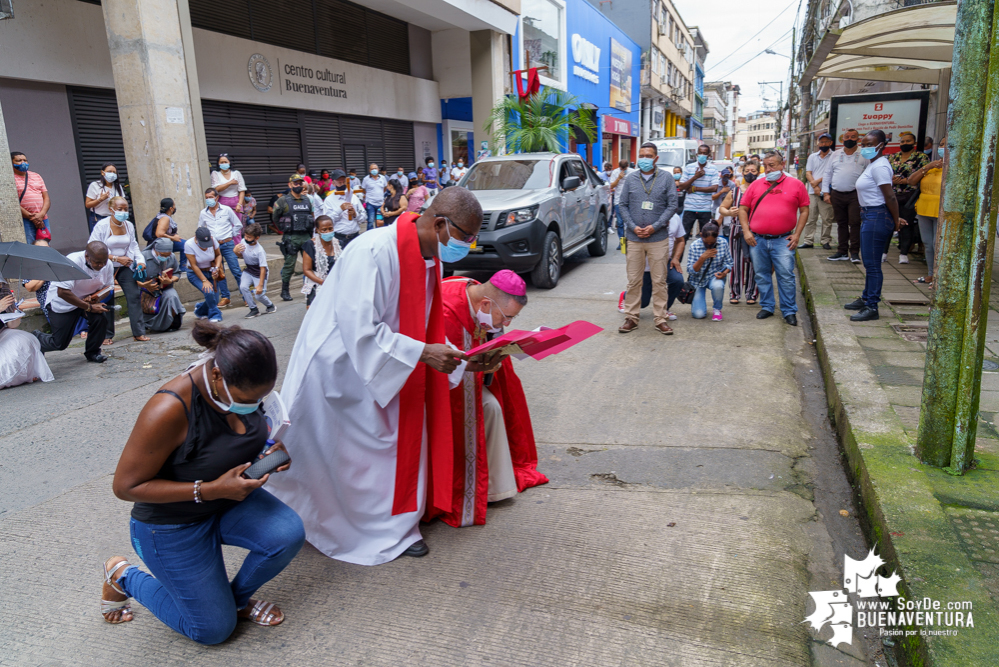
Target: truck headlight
<point x="519" y="215"/>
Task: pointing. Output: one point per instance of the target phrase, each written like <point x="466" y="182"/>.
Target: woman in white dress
<point x="100" y="193"/>
<point x="21" y="358"/>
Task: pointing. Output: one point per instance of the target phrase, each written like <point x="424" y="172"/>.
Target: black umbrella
<point x="20" y="261"/>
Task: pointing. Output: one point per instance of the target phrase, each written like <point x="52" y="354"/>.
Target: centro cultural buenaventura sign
<point x="261" y="76"/>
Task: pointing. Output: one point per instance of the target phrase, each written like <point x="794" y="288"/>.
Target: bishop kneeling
<point x="495" y="456"/>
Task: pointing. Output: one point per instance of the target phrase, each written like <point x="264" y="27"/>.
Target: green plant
<point x="539" y="122"/>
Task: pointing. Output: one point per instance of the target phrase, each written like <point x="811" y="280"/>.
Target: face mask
<point x="233" y="407"/>
<point x="374" y="172"/>
<point x="869" y="152"/>
<point x="121" y="216"/>
<point x="773" y="176"/>
<point x="430" y="165"/>
<point x="298" y="189"/>
<point x="825" y="149"/>
<point x="160" y="258"/>
<point x="21" y="167"/>
<point x="399" y="172"/>
<point x="460" y="165"/>
<point x="209" y="202"/>
<point x="940" y="151"/>
<point x="110" y="177"/>
<point x="486" y="320"/>
<point x="905" y="148"/>
<point x="328" y="236"/>
<point x="251" y="243"/>
<point x="224" y="166"/>
<point x="646" y="163"/>
<point x="702" y="159"/>
<point x="454" y="251"/>
<point x="749" y="177"/>
<point x="849" y="143"/>
<point x="677" y="177"/>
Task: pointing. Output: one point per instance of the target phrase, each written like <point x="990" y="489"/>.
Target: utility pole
<point x="948" y="417"/>
<point x="11" y="227"/>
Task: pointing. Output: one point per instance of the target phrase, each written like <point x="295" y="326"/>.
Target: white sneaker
<point x="903" y="259"/>
<point x="884" y="257"/>
<point x="670" y="315"/>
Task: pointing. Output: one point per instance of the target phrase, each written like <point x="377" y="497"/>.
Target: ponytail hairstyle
<point x="245" y="357"/>
<point x="166" y="204"/>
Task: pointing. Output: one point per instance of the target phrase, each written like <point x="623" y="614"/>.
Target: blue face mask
<point x="224" y="166"/>
<point x="160" y="258"/>
<point x="233" y="407"/>
<point x="430" y="165"/>
<point x="702" y="159"/>
<point x="869" y="152"/>
<point x="773" y="176"/>
<point x="677" y="177"/>
<point x="327" y="236"/>
<point x="209" y="202"/>
<point x="121" y="216"/>
<point x="454" y="251"/>
<point x="460" y="165"/>
<point x="646" y="163"/>
<point x="21" y="167"/>
<point x="110" y="177"/>
<point x="940" y="151"/>
<point x="374" y="172"/>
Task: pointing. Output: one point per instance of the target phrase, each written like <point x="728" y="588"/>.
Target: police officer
<point x="293" y="215"/>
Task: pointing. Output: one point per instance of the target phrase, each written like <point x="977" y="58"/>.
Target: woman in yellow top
<point x="930" y="179"/>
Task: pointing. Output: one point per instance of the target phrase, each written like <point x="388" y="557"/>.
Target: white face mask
<point x="486" y="320"/>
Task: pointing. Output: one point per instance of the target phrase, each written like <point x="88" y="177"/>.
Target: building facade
<point x="695" y="128"/>
<point x="667" y="67"/>
<point x="327" y="83"/>
<point x="740" y="140"/>
<point x="761" y="132"/>
<point x="593" y="60"/>
<point x="716" y="118"/>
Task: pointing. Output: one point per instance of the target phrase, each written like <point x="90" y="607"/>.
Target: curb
<point x="902" y="514"/>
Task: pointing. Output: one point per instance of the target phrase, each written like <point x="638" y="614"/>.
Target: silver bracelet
<point x="197" y="492"/>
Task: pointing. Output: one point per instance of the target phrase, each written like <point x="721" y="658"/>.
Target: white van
<point x="676" y="152"/>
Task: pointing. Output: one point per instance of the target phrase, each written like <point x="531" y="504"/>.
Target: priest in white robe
<point x="367" y="389"/>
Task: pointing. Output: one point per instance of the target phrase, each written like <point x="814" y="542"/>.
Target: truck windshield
<point x="672" y="157"/>
<point x="509" y="175"/>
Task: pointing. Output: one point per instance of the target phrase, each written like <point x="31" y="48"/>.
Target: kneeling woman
<point x="182" y="467"/>
<point x="708" y="262"/>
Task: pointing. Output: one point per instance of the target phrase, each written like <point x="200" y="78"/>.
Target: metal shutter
<point x="355" y="156"/>
<point x="97" y="130"/>
<point x="230" y="17"/>
<point x="342" y="32"/>
<point x="286" y="23"/>
<point x="368" y="131"/>
<point x="399" y="148"/>
<point x="322" y="141"/>
<point x="390" y="51"/>
<point x="264" y="143"/>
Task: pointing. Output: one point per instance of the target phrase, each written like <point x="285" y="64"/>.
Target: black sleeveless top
<point x="210" y="449"/>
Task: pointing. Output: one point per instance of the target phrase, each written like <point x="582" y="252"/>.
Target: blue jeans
<point x="876" y="229"/>
<point x="773" y="255"/>
<point x="699" y="306"/>
<point x="229" y="255"/>
<point x="189" y="589"/>
<point x="30" y="229"/>
<point x="372" y="212"/>
<point x="618" y="221"/>
<point x="178" y="246"/>
<point x="210" y="306"/>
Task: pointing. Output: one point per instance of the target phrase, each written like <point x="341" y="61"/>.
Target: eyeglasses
<point x="506" y="318"/>
<point x="468" y="238"/>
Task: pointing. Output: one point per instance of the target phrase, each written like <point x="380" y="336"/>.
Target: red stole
<point x="426" y="389"/>
<point x="470" y="473"/>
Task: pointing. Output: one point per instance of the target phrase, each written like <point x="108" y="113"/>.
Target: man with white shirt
<point x="374" y="193"/>
<point x="69" y="300"/>
<point x="400" y="175"/>
<point x="700" y="180"/>
<point x="224" y="224"/>
<point x="815" y="170"/>
<point x="459" y="170"/>
<point x="839" y="188"/>
<point x="344" y="208"/>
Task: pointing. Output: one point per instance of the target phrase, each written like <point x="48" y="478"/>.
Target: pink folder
<point x="540" y="344"/>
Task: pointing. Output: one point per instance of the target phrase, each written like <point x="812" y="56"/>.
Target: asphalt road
<point x="694" y="501"/>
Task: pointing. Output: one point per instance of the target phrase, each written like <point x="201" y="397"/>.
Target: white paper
<point x="276" y="415"/>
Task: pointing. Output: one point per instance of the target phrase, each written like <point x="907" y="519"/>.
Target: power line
<point x="754" y="36"/>
<point x="749" y="60"/>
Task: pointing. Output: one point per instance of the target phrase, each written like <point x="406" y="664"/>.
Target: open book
<point x="276" y="415"/>
<point x="541" y="343"/>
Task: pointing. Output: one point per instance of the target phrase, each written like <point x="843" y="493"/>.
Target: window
<point x="543" y="41"/>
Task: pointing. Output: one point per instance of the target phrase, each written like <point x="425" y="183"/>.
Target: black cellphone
<point x="269" y="463"/>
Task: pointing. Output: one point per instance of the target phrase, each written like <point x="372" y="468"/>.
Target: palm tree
<point x="539" y="122"/>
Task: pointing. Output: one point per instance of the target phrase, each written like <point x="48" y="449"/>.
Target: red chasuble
<point x="470" y="486"/>
<point x="426" y="390"/>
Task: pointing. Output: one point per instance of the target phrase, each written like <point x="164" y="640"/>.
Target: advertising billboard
<point x="620" y="77"/>
<point x="892" y="113"/>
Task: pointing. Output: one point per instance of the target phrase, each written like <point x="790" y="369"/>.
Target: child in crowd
<point x="255" y="275"/>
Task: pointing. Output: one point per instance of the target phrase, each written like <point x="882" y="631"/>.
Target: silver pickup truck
<point x="538" y="208"/>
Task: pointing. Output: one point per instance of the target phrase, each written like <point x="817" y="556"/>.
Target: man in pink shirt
<point x="34" y="200"/>
<point x="773" y="211"/>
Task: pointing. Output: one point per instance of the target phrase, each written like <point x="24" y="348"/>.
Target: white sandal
<point x="261" y="614"/>
<point x="108" y="606"/>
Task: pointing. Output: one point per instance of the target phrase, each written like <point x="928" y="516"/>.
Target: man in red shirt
<point x="773" y="211"/>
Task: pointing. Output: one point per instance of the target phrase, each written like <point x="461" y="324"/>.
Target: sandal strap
<point x="108" y="606"/>
<point x="110" y="573"/>
<point x="261" y="613"/>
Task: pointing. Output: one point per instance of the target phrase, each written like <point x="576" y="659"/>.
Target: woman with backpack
<point x="118" y="234"/>
<point x="163" y="227"/>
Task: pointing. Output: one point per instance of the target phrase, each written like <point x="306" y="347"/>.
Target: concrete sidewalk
<point x="940" y="531"/>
